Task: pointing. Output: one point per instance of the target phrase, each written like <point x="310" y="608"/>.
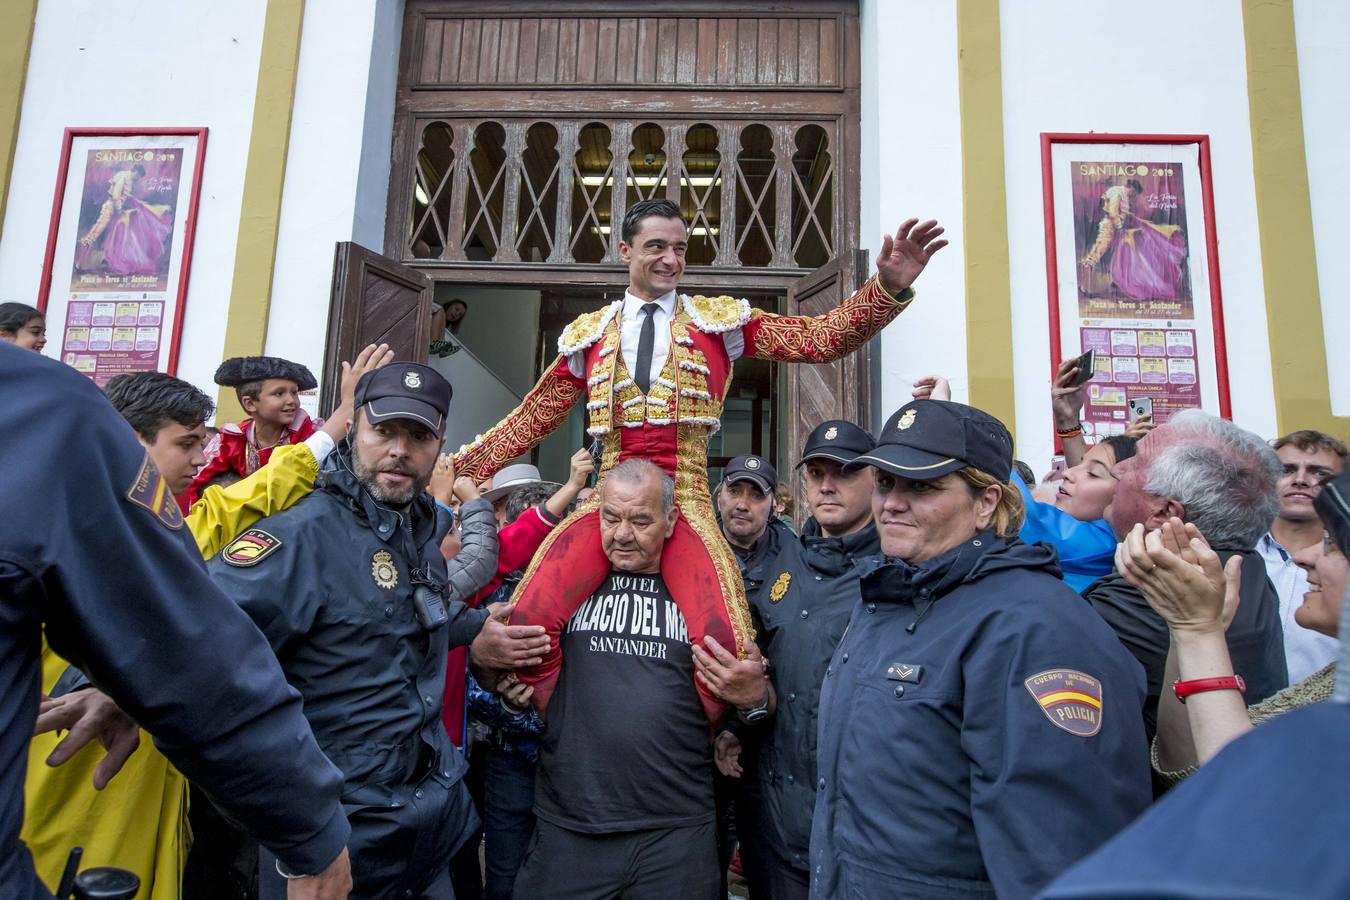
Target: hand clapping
<point x="1180" y="576"/>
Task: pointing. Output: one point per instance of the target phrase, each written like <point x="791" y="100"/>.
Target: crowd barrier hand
<point x="90" y="715"/>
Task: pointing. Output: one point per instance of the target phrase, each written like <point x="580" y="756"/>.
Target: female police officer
<point x="980" y="726"/>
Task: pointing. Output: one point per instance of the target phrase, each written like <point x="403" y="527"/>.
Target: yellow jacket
<point x="139" y="821"/>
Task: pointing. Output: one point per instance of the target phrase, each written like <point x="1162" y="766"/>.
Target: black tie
<point x="646" y="343"/>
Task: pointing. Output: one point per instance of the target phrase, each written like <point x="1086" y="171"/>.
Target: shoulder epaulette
<point x="714" y="315"/>
<point x="586" y="329"/>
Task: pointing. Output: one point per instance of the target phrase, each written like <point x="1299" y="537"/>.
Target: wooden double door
<point x="522" y="136"/>
<point x="378" y="300"/>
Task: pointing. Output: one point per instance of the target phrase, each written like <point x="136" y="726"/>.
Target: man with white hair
<point x="1221" y="478"/>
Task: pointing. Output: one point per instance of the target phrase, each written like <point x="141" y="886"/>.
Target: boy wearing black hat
<point x="268" y="389"/>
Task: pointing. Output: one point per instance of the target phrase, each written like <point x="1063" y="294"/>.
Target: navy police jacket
<point x="1266" y="817"/>
<point x="980" y="730"/>
<point x="800" y="613"/>
<point x="330" y="582"/>
<point x="93" y="547"/>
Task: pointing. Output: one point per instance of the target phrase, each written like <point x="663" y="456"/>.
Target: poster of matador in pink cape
<point x="126" y="220"/>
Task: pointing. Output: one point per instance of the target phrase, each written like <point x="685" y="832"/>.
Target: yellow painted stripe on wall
<point x="989" y="357"/>
<point x="16" y="41"/>
<point x="264" y="176"/>
<point x="1284" y="207"/>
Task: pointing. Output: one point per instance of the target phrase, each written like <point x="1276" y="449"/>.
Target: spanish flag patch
<point x="151" y="492"/>
<point x="250" y="548"/>
<point x="1069" y="699"/>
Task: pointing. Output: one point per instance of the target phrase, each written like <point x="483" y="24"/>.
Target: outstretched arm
<point x="544" y="408"/>
<point x="837" y="333"/>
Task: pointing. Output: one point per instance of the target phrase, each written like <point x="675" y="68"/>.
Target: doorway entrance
<point x="521" y="138"/>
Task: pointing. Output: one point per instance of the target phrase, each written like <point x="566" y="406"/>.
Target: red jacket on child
<point x="235" y="449"/>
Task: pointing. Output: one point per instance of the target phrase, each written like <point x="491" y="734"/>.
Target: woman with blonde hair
<point x="980" y="725"/>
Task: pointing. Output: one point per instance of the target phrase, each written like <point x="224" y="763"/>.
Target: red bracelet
<point x="1068" y="433"/>
<point x="1184" y="689"/>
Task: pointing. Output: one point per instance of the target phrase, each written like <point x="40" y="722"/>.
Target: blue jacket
<point x="980" y="731"/>
<point x="92" y="546"/>
<point x="800" y="612"/>
<point x="1267" y="817"/>
<point x="1087" y="550"/>
<point x="517" y="733"/>
<point x="334" y="595"/>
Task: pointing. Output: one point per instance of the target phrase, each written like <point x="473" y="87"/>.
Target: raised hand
<point x="1065" y="399"/>
<point x="582" y="465"/>
<point x="1140" y="427"/>
<point x="932" y="387"/>
<point x="368" y="360"/>
<point x="904" y="256"/>
<point x="466" y="489"/>
<point x="442" y="484"/>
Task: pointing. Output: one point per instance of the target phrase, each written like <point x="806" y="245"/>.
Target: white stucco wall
<point x="1322" y="29"/>
<point x="337" y="166"/>
<point x="1064" y="71"/>
<point x="186" y="65"/>
<point x="911" y="166"/>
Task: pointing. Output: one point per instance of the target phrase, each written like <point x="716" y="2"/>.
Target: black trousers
<point x="768" y="875"/>
<point x="657" y="864"/>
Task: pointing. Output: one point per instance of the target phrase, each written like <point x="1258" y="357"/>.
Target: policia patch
<point x="151" y="492"/>
<point x="780" y="587"/>
<point x="250" y="548"/>
<point x="1069" y="699"/>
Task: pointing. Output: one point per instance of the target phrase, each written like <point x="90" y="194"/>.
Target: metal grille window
<point x="512" y="190"/>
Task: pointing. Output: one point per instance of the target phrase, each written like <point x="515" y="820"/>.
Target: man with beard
<point x="348" y="587"/>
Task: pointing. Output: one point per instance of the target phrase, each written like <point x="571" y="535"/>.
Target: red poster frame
<point x="1048" y="140"/>
<point x="189" y="223"/>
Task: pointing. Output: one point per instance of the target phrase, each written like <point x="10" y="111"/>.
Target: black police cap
<point x="749" y="467"/>
<point x="837" y="440"/>
<point x="405" y="391"/>
<point x="926" y="439"/>
<point x="242" y="369"/>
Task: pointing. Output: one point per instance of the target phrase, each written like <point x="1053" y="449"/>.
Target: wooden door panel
<point x="838" y="390"/>
<point x="374" y="301"/>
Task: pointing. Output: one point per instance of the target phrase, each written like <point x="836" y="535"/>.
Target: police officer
<point x="745" y="500"/>
<point x="800" y="610"/>
<point x="92" y="546"/>
<point x="745" y="508"/>
<point x="980" y="726"/>
<point x="348" y="587"/>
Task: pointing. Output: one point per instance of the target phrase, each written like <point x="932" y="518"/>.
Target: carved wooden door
<point x="839" y="390"/>
<point x="374" y="301"/>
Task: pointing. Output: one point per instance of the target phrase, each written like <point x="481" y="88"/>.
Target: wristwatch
<point x="756" y="714"/>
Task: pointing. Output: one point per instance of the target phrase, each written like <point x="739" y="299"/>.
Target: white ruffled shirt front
<point x="630" y="332"/>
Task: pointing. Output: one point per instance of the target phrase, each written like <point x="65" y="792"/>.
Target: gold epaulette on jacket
<point x="586" y="329"/>
<point x="713" y="315"/>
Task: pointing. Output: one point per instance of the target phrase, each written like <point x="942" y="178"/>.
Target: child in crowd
<point x="269" y="390"/>
<point x="23" y="325"/>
